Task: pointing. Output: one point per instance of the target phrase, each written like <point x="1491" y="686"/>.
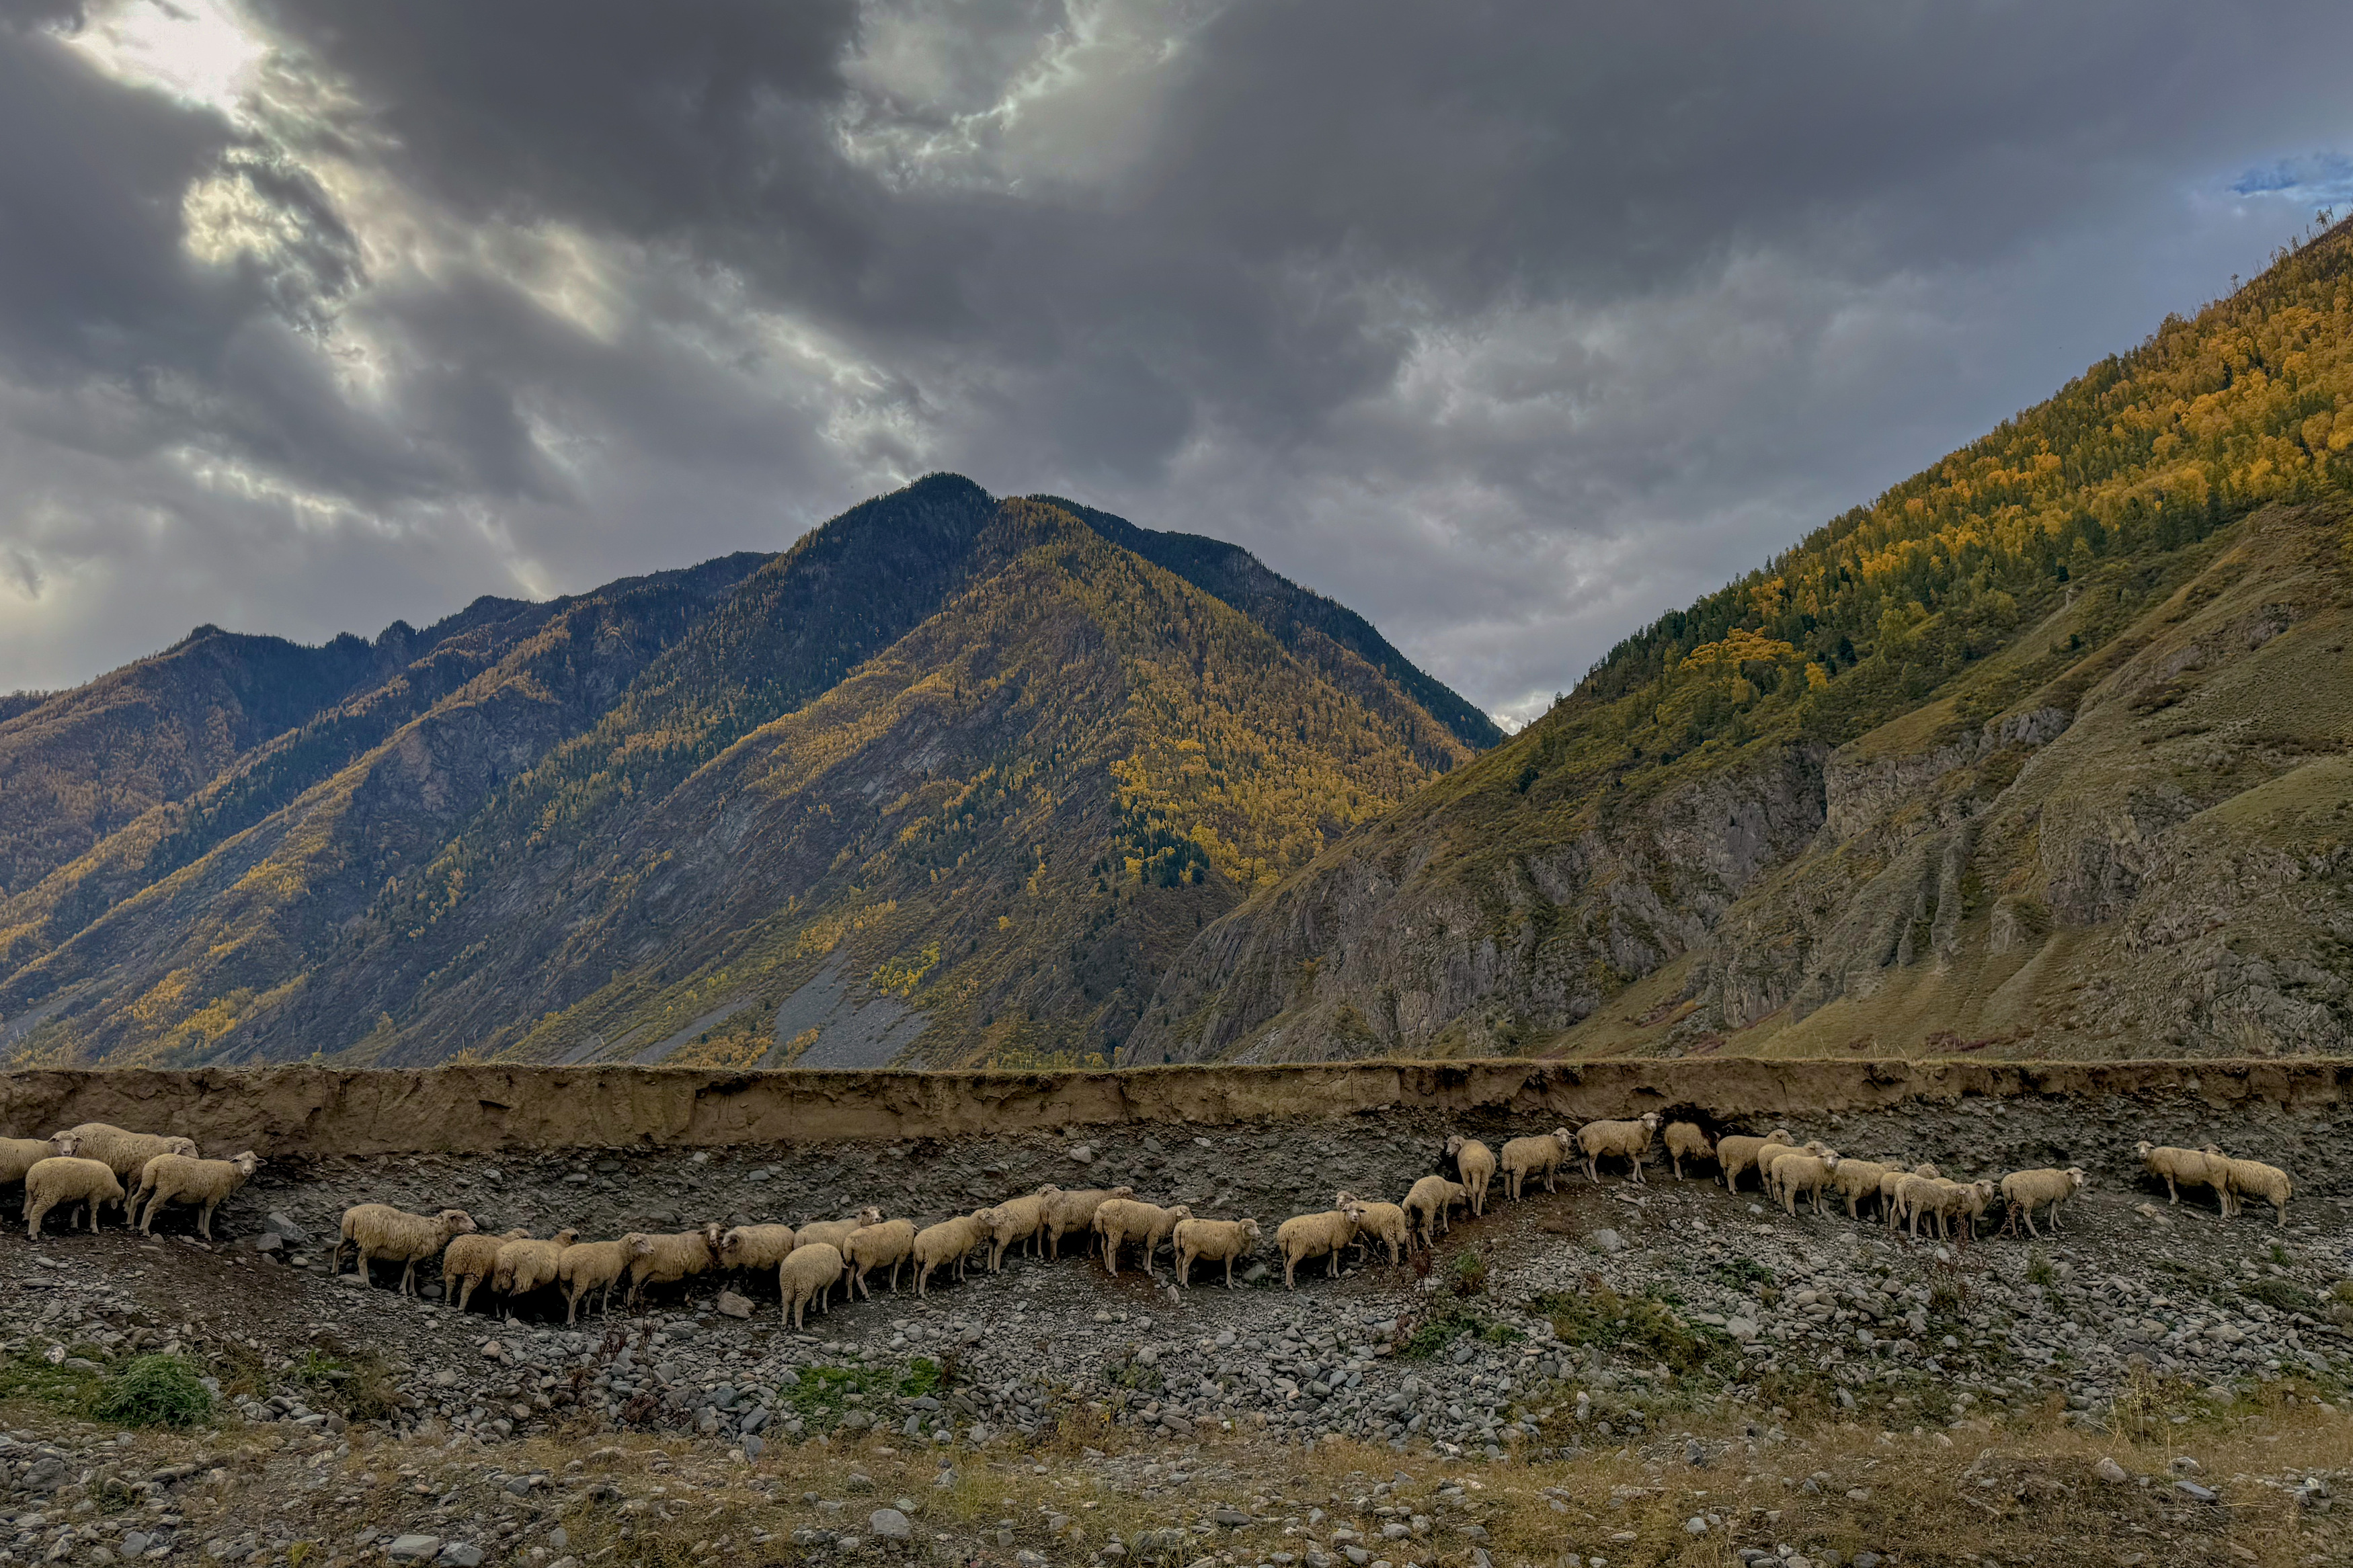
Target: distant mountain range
<point x="951" y="780"/>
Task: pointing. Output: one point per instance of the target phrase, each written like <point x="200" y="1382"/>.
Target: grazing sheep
<point x="1119" y="1221"/>
<point x="834" y="1232"/>
<point x="1325" y="1234"/>
<point x="667" y="1259"/>
<point x="2243" y="1176"/>
<point x="524" y="1265"/>
<point x="873" y="1246"/>
<point x="1378" y="1222"/>
<point x="1804" y="1175"/>
<point x="1076" y="1212"/>
<point x="124" y="1154"/>
<point x="1976" y="1198"/>
<point x="587" y="1265"/>
<point x="177" y="1179"/>
<point x="1739" y="1152"/>
<point x="1537" y="1156"/>
<point x="1918" y="1195"/>
<point x="1017" y="1219"/>
<point x="1856" y="1181"/>
<point x="18" y="1155"/>
<point x="1598" y="1140"/>
<point x="2026" y="1191"/>
<point x="471" y="1259"/>
<point x="63" y="1181"/>
<point x="1475" y="1163"/>
<point x="949" y="1242"/>
<point x="2183" y="1168"/>
<point x="1686" y="1141"/>
<point x="1770" y="1157"/>
<point x="807" y="1275"/>
<point x="381" y="1233"/>
<point x="1892" y="1211"/>
<point x="755" y="1248"/>
<point x="1216" y="1241"/>
<point x="1431" y="1203"/>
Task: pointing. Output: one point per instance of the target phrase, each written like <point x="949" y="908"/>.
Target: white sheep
<point x="1770" y="1157"/>
<point x="834" y="1232"/>
<point x="1215" y="1240"/>
<point x="18" y="1155"/>
<point x="1629" y="1141"/>
<point x="1378" y="1222"/>
<point x="1075" y="1212"/>
<point x="124" y="1154"/>
<point x="1431" y="1204"/>
<point x="469" y="1260"/>
<point x="872" y="1246"/>
<point x="1804" y="1175"/>
<point x="1474" y="1162"/>
<point x="1686" y="1141"/>
<point x="381" y="1233"/>
<point x="2183" y="1168"/>
<point x="1306" y="1236"/>
<point x="667" y="1259"/>
<point x="2243" y="1176"/>
<point x="948" y="1243"/>
<point x="524" y="1265"/>
<point x="178" y="1179"/>
<point x="757" y="1248"/>
<point x="1858" y="1181"/>
<point x="588" y="1266"/>
<point x="1892" y="1210"/>
<point x="1016" y="1220"/>
<point x="1739" y="1152"/>
<point x="2026" y="1191"/>
<point x="1119" y="1221"/>
<point x="807" y="1276"/>
<point x="63" y="1181"/>
<point x="1539" y="1156"/>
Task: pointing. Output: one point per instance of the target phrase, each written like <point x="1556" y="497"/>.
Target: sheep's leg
<point x="1229" y="1272"/>
<point x="2172" y="1194"/>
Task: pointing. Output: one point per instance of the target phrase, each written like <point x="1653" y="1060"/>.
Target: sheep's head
<point x="1050" y="1192"/>
<point x="2075" y="1178"/>
<point x="1454" y="1144"/>
<point x="1123" y="1191"/>
<point x="2212" y="1151"/>
<point x="1926" y="1169"/>
<point x="1778" y="1135"/>
<point x="457" y="1222"/>
<point x="186" y="1146"/>
<point x="985" y="1217"/>
<point x="1249" y="1231"/>
<point x="637" y="1245"/>
<point x="247" y="1163"/>
<point x="1651" y="1120"/>
<point x="66" y="1144"/>
<point x="1831" y="1160"/>
<point x="517" y="1234"/>
<point x="2144" y="1147"/>
<point x="710" y="1233"/>
<point x="1181" y="1212"/>
<point x="868" y="1215"/>
<point x="1563" y="1135"/>
<point x="1341" y="1200"/>
<point x="566" y="1236"/>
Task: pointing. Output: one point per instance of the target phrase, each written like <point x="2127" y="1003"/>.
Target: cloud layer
<point x="1510" y="325"/>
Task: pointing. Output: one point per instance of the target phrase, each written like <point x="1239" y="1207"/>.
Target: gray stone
<point x="461" y="1555"/>
<point x="413" y="1548"/>
<point x="135" y="1544"/>
<point x="735" y="1305"/>
<point x="890" y="1524"/>
<point x="286" y="1229"/>
<point x="1608" y="1241"/>
<point x="2195" y="1492"/>
<point x="2108" y="1471"/>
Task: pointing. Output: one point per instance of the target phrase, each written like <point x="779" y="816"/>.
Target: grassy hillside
<point x="1967" y="618"/>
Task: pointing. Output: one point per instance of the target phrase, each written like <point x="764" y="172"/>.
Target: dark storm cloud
<point x="1510" y="325"/>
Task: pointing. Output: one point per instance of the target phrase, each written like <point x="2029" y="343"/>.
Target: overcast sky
<point x="1510" y="325"/>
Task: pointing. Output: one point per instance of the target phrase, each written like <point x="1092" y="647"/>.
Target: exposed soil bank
<point x="320" y="1111"/>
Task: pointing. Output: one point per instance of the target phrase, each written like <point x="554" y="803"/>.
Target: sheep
<point x="2183" y="1168"/>
<point x="177" y="1178"/>
<point x="2025" y="1191"/>
<point x="1801" y="1176"/>
<point x="949" y="1242"/>
<point x="62" y="1180"/>
<point x="524" y="1265"/>
<point x="18" y="1155"/>
<point x="1430" y="1205"/>
<point x="1119" y="1221"/>
<point x="1611" y="1139"/>
<point x="1016" y="1219"/>
<point x="1475" y="1163"/>
<point x="586" y="1265"/>
<point x="1771" y="1155"/>
<point x="125" y="1153"/>
<point x="807" y="1275"/>
<point x="1890" y="1209"/>
<point x="1856" y="1180"/>
<point x="666" y="1259"/>
<point x="1975" y="1199"/>
<point x="834" y="1232"/>
<point x="1218" y="1240"/>
<point x="1306" y="1236"/>
<point x="1950" y="1203"/>
<point x="1686" y="1141"/>
<point x="755" y="1248"/>
<point x="381" y="1232"/>
<point x="1739" y="1152"/>
<point x="1076" y="1212"/>
<point x="468" y="1260"/>
<point x="2241" y="1176"/>
<point x="873" y="1246"/>
<point x="1525" y="1157"/>
<point x="1379" y="1223"/>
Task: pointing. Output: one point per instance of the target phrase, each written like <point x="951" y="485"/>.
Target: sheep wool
<point x="2026" y="1191"/>
<point x="381" y="1233"/>
<point x="2240" y="1177"/>
<point x="1074" y="1211"/>
<point x="1431" y="1205"/>
<point x="1016" y="1220"/>
<point x="2183" y="1168"/>
<point x="1858" y="1181"/>
<point x="667" y="1259"/>
<point x="1378" y="1222"/>
<point x="524" y="1265"/>
<point x="1539" y="1156"/>
<point x="1306" y="1236"/>
<point x="1599" y="1141"/>
<point x="1474" y="1164"/>
<point x="468" y="1260"/>
<point x="1804" y="1175"/>
<point x="1122" y="1220"/>
<point x="758" y="1248"/>
<point x="62" y="1181"/>
<point x="18" y="1155"/>
<point x="1769" y="1158"/>
<point x="587" y="1265"/>
<point x="181" y="1179"/>
<point x="834" y="1232"/>
<point x="807" y="1276"/>
<point x="1686" y="1141"/>
<point x="948" y="1243"/>
<point x="124" y="1154"/>
<point x="872" y="1246"/>
<point x="1739" y="1152"/>
<point x="1891" y="1209"/>
<point x="1213" y="1241"/>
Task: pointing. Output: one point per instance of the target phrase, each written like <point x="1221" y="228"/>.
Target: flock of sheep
<point x="96" y="1164"/>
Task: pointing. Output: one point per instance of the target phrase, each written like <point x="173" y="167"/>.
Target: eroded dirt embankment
<point x="320" y="1111"/>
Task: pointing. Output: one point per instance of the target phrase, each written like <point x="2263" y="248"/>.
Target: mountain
<point x="952" y="779"/>
<point x="2048" y="751"/>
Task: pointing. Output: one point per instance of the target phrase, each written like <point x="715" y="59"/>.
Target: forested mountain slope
<point x="2043" y="752"/>
<point x="951" y="775"/>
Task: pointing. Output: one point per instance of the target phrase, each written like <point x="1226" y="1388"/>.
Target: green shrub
<point x="154" y="1391"/>
<point x="1468" y="1275"/>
